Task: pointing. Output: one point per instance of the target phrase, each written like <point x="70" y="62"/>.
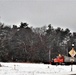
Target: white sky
<point x="58" y="13"/>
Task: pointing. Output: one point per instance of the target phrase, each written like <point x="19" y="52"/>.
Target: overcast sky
<point x="37" y="13"/>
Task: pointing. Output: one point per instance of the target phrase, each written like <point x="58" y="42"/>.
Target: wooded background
<point x="28" y="44"/>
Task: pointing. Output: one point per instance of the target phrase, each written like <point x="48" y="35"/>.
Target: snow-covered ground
<point x="35" y="69"/>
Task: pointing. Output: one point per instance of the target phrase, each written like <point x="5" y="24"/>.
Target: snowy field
<point x="35" y="69"/>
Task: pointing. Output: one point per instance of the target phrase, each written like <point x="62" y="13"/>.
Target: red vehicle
<point x="59" y="59"/>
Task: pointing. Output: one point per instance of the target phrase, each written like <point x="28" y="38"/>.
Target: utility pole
<point x="49" y="54"/>
<point x="72" y="53"/>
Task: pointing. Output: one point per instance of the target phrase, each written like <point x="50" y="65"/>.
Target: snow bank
<point x="35" y="69"/>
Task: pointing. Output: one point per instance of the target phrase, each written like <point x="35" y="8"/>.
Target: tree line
<point x="28" y="44"/>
